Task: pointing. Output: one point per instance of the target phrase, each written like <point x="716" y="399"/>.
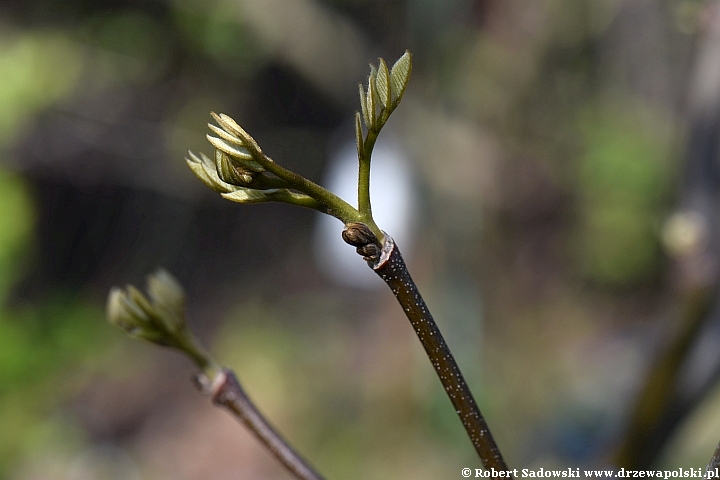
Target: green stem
<point x="199" y="356"/>
<point x="364" y="205"/>
<point x="328" y="202"/>
<point x="336" y="206"/>
<point x="364" y="157"/>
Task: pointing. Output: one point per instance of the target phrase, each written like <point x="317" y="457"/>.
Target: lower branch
<point x="227" y="392"/>
<point x="387" y="262"/>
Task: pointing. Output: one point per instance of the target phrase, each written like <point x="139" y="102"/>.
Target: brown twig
<point x="714" y="463"/>
<point x="226" y="391"/>
<point x="387" y="262"/>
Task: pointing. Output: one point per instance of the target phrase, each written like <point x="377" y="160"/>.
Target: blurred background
<point x="527" y="176"/>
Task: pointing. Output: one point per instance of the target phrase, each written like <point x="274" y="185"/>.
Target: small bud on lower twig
<point x="158" y="318"/>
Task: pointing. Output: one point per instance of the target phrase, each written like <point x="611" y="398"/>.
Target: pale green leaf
<point x="206" y="161"/>
<point x="363" y="105"/>
<point x="400" y="75"/>
<point x="229" y="172"/>
<point x="239" y="155"/>
<point x="358" y="134"/>
<point x="118" y="312"/>
<point x="217" y="184"/>
<point x="382" y="82"/>
<point x="168" y="296"/>
<point x="232" y="127"/>
<point x="143" y="307"/>
<point x="196" y="166"/>
<point x="370" y="102"/>
<point x="225" y="135"/>
<point x="205" y="170"/>
<point x="246" y="195"/>
<point x="373" y="74"/>
<point x="230" y="149"/>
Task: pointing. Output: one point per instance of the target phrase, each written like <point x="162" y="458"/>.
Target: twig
<point x="226" y="391"/>
<point x="160" y="318"/>
<point x="387" y="262"/>
<point x="645" y="437"/>
<point x="660" y="405"/>
<point x="714" y="463"/>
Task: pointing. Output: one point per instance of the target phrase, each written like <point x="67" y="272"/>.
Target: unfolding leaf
<point x="120" y="312"/>
<point x="382" y="82"/>
<point x="141" y="303"/>
<point x="206" y="161"/>
<point x="358" y="134"/>
<point x="158" y="318"/>
<point x="246" y="195"/>
<point x="370" y="102"/>
<point x="373" y="74"/>
<point x="229" y="172"/>
<point x="225" y="135"/>
<point x="218" y="184"/>
<point x="205" y="170"/>
<point x="232" y="127"/>
<point x="363" y="105"/>
<point x="230" y="149"/>
<point x="400" y="74"/>
<point x="166" y="293"/>
<point x="196" y="166"/>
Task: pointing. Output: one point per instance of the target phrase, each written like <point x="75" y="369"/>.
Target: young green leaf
<point x="282" y="195"/>
<point x="370" y="103"/>
<point x="363" y="105"/>
<point x="400" y="74"/>
<point x="382" y="82"/>
<point x="225" y="135"/>
<point x="205" y="170"/>
<point x="232" y="127"/>
<point x="230" y="149"/>
<point x="229" y="172"/>
<point x="358" y="134"/>
<point x="167" y="294"/>
<point x="196" y="166"/>
<point x="246" y="195"/>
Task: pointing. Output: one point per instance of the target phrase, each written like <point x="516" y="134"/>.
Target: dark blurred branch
<point x="227" y="392"/>
<point x="648" y="428"/>
<point x="692" y="238"/>
<point x="388" y="263"/>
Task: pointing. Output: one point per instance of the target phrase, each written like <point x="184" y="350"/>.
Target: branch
<point x="714" y="462"/>
<point x="388" y="263"/>
<point x="659" y="407"/>
<point x="646" y="433"/>
<point x="226" y="391"/>
<point x="159" y="318"/>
